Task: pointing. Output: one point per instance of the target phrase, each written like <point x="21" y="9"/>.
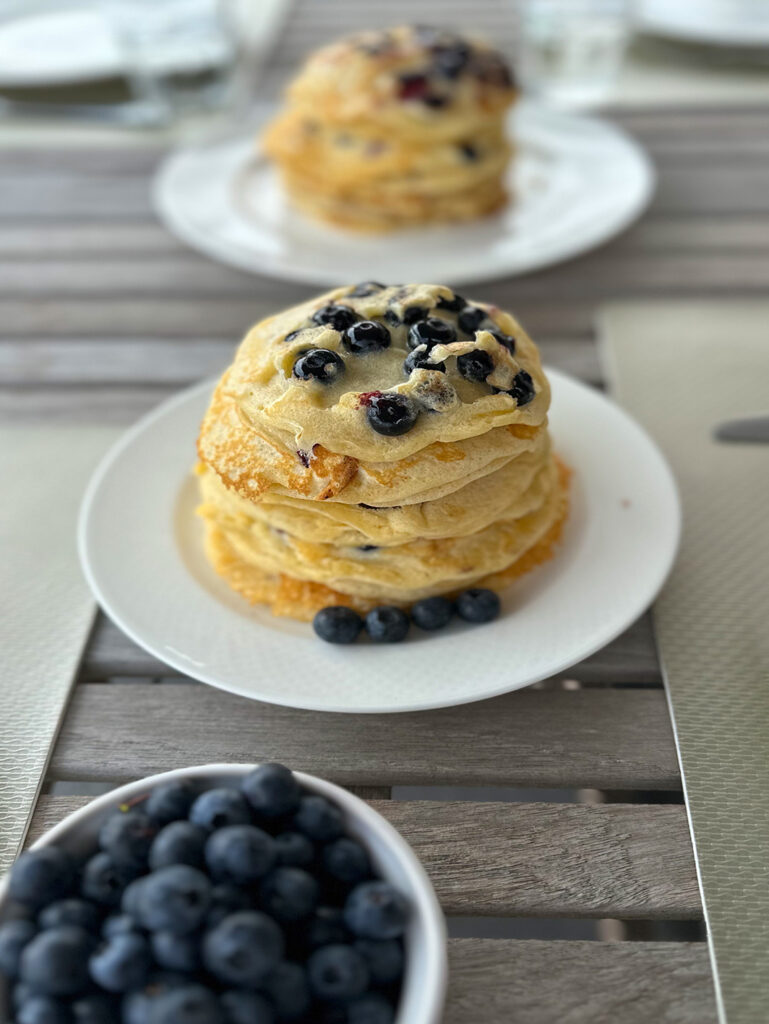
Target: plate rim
<point x="576" y="655"/>
<point x="243" y="259"/>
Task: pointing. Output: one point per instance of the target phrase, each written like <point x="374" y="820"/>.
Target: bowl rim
<point x="424" y="1000"/>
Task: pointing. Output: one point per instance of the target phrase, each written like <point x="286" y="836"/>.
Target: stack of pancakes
<point x="394" y="128"/>
<point x="333" y="474"/>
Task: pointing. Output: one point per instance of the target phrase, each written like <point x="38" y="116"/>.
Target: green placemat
<point x="682" y="368"/>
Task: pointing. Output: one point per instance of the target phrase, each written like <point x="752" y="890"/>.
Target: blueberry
<point x="365" y="288"/>
<point x="96" y="1008"/>
<point x="468" y="151"/>
<point x="337" y="625"/>
<point x="14" y="936"/>
<point x="71" y="911"/>
<point x="414" y="313"/>
<point x="170" y="802"/>
<point x="453" y="305"/>
<point x="103" y="880"/>
<point x="243" y="949"/>
<point x="376" y="910"/>
<point x="338" y="317"/>
<point x="41" y="876"/>
<point x="432" y="331"/>
<point x="239" y="854"/>
<point x="337" y="972"/>
<point x="118" y="924"/>
<point x="137" y="1005"/>
<point x="384" y="958"/>
<point x="371" y="1008"/>
<point x="523" y="388"/>
<point x="127" y="837"/>
<point x="504" y="339"/>
<point x="129" y="903"/>
<point x="419" y="359"/>
<point x="122" y="963"/>
<point x="288" y="894"/>
<point x="471" y="318"/>
<point x="478" y="605"/>
<point x="193" y="1004"/>
<point x="387" y="624"/>
<point x="319" y="364"/>
<point x="346" y="861"/>
<point x="319" y="819"/>
<point x="43" y="1010"/>
<point x="392" y="414"/>
<point x="392" y="318"/>
<point x="55" y="963"/>
<point x="272" y="790"/>
<point x="176" y="952"/>
<point x="180" y="842"/>
<point x="287" y="989"/>
<point x="218" y="807"/>
<point x="174" y="899"/>
<point x="326" y="927"/>
<point x="294" y="850"/>
<point x="366" y="336"/>
<point x="246" y="1008"/>
<point x="475" y="365"/>
<point x="21" y="993"/>
<point x="225" y="900"/>
<point x="451" y="60"/>
<point x="432" y="613"/>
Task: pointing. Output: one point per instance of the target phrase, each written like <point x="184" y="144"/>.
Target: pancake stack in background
<point x="379" y="445"/>
<point x="395" y="128"/>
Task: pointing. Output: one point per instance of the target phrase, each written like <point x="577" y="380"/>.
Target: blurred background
<point x="93" y="94"/>
<point x="180" y="66"/>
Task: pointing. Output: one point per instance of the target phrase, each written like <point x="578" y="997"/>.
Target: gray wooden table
<point x="103" y="314"/>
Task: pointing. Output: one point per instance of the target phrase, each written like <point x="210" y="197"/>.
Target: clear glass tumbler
<point x="181" y="55"/>
<point x="571" y="51"/>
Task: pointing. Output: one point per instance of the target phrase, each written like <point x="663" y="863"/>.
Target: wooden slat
<point x="117" y="240"/>
<point x="530" y="982"/>
<point x="606" y="739"/>
<point x="545" y="860"/>
<point x="195" y="276"/>
<point x="631" y="658"/>
<point x="105" y="404"/>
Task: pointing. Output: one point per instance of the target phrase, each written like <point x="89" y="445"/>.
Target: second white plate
<point x="577" y="182"/>
<point x="142" y="552"/>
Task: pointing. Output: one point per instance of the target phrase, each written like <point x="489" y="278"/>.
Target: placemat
<point x="47" y="608"/>
<point x="682" y="369"/>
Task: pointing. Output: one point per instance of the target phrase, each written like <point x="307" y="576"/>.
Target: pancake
<point x="394" y="128"/>
<point x="309" y="487"/>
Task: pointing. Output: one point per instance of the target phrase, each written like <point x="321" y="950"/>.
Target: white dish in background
<point x="577" y="182"/>
<point x="426" y="971"/>
<point x="141" y="549"/>
<point x="740" y="23"/>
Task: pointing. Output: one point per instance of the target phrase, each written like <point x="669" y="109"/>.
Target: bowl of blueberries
<point x="222" y="894"/>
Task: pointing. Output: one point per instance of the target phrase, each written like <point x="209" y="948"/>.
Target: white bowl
<point x="426" y="969"/>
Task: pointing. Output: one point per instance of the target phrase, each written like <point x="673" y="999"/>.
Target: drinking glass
<point x="571" y="51"/>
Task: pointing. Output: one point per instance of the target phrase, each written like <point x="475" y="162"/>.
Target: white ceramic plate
<point x="141" y="549"/>
<point x="713" y="22"/>
<point x="577" y="181"/>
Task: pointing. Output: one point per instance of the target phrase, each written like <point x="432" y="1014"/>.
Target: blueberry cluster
<point x="391" y="413"/>
<point x="448" y="57"/>
<point x="217" y="906"/>
<point x="388" y="624"/>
